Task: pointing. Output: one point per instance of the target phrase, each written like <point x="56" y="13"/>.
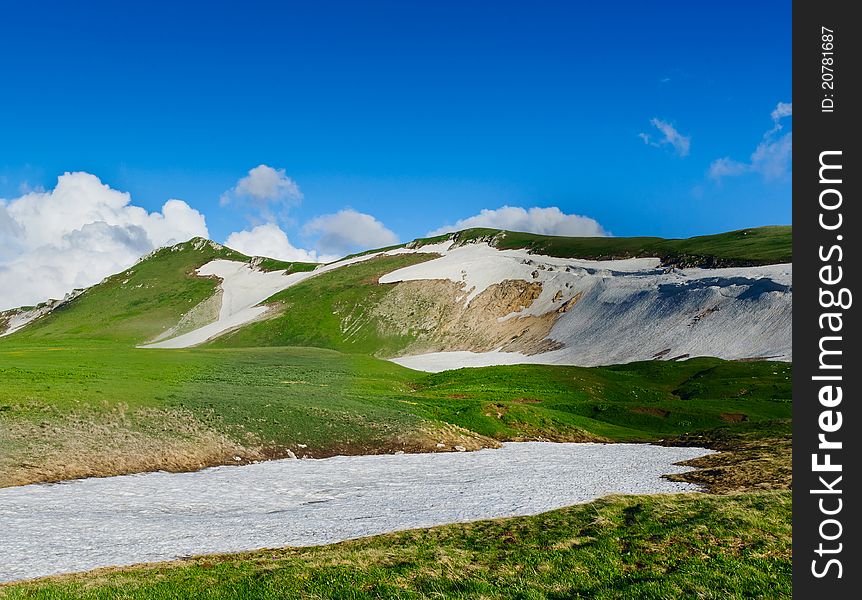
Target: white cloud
<point x="78" y="233"/>
<point x="771" y="159"/>
<point x="264" y="188"/>
<point x="670" y="136"/>
<point x="784" y="109"/>
<point x="269" y="240"/>
<point x="727" y="167"/>
<point x="545" y="221"/>
<point x="349" y="231"/>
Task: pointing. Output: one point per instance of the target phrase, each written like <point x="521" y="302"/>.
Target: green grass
<point x="638" y="401"/>
<point x="72" y="411"/>
<point x="75" y="411"/>
<point x="273" y="264"/>
<point x="745" y="247"/>
<point x="77" y="399"/>
<point x="137" y="304"/>
<point x="620" y="547"/>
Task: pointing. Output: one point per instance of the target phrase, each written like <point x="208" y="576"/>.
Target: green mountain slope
<point x="145" y="300"/>
<point x="347" y="309"/>
<point x="333" y="310"/>
<point x="141" y="302"/>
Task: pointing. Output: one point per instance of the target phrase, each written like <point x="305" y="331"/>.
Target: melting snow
<point x="244" y="287"/>
<point x="612" y="311"/>
<point x="622" y="310"/>
<point x="80" y="525"/>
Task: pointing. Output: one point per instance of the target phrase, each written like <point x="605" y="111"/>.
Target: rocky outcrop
<point x="434" y="313"/>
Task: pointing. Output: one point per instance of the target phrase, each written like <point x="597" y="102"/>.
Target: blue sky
<point x="419" y="114"/>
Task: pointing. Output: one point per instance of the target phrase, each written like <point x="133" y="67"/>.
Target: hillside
<point x="463" y="302"/>
<point x="275" y="359"/>
<point x="476" y="297"/>
<point x="81" y="411"/>
<point x="200" y="356"/>
<point x="141" y="302"/>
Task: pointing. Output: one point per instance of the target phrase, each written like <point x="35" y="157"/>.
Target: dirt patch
<point x="568" y="303"/>
<point x="526" y="401"/>
<point x="434" y="314"/>
<point x="549" y="433"/>
<point x="744" y="462"/>
<point x="496" y="409"/>
<point x="649" y="410"/>
<point x="734" y="417"/>
<point x="702" y="315"/>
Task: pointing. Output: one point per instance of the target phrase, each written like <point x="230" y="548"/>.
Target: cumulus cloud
<point x="264" y="189"/>
<point x="269" y="192"/>
<point x="78" y="233"/>
<point x="348" y="231"/>
<point x="669" y="136"/>
<point x="544" y="221"/>
<point x="270" y="240"/>
<point x="772" y="157"/>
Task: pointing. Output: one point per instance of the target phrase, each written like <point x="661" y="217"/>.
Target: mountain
<point x="148" y="299"/>
<point x="475" y="297"/>
<point x="199" y="355"/>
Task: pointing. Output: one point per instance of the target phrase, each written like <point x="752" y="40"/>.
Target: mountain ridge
<point x="469" y="298"/>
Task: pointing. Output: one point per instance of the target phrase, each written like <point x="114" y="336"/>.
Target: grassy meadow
<point x="85" y="410"/>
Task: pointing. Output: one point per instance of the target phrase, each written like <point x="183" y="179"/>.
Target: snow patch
<point x="618" y="311"/>
<point x="243" y="288"/>
<point x="89" y="523"/>
<point x="21" y="317"/>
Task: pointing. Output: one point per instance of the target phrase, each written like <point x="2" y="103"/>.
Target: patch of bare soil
<point x="428" y="437"/>
<point x="528" y="433"/>
<point x="648" y="410"/>
<point x="526" y="401"/>
<point x="434" y="314"/>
